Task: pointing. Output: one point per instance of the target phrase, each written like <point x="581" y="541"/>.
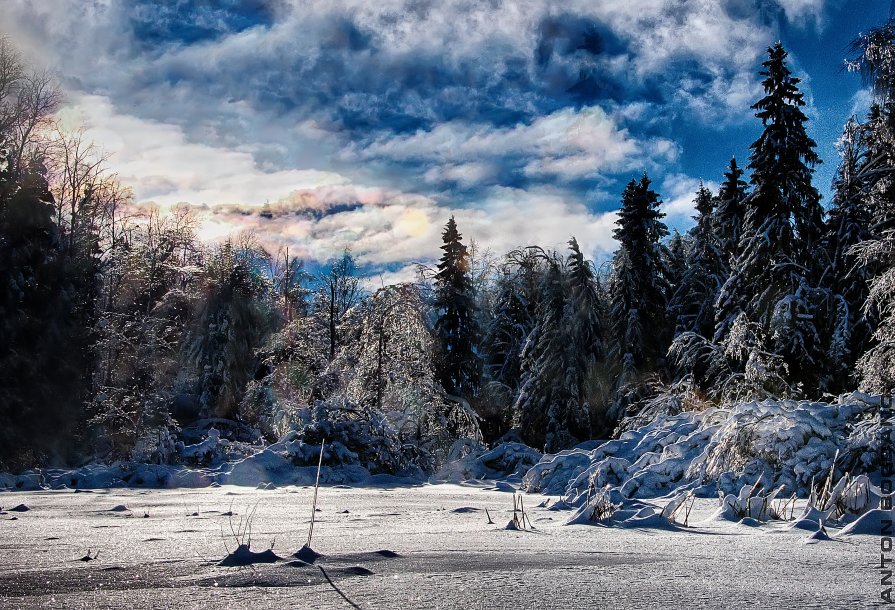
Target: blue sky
<point x="366" y="124"/>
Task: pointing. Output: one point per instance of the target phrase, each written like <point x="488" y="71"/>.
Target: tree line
<point x="120" y="331"/>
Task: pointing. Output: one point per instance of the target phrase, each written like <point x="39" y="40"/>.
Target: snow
<point x="406" y="547"/>
<point x="783" y="444"/>
<point x="871" y="523"/>
<point x="473" y="461"/>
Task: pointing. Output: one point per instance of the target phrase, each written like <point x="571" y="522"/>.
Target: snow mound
<point x="469" y="460"/>
<point x="871" y="523"/>
<point x="820" y="535"/>
<point x="243" y="556"/>
<point x="785" y="444"/>
<point x="809" y="520"/>
<point x="608" y="508"/>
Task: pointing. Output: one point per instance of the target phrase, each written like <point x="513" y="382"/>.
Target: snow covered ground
<point x="448" y="555"/>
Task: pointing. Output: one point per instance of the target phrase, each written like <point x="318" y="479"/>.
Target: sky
<point x="331" y="124"/>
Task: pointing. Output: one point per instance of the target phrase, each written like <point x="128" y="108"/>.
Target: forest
<point x="124" y="337"/>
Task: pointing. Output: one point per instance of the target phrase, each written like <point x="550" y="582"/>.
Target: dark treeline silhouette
<point x="122" y="335"/>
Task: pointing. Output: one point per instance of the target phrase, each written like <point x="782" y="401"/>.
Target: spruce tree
<point x="772" y="279"/>
<point x="562" y="354"/>
<point x="543" y="358"/>
<point x="513" y="317"/>
<point x="730" y="213"/>
<point x="848" y="224"/>
<point x="42" y="348"/>
<point x="876" y="60"/>
<point x="639" y="286"/>
<point x="584" y="342"/>
<point x="692" y="306"/>
<point x="676" y="254"/>
<point x="459" y="367"/>
<point x="782" y="164"/>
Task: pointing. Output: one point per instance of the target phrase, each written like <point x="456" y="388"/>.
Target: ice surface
<point x="435" y="558"/>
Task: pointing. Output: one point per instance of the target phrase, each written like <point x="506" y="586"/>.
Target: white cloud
<point x="162" y="166"/>
<point x="679" y="193"/>
<point x="569" y="144"/>
<point x="801" y="11"/>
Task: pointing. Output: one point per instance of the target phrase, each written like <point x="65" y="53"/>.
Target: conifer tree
<point x="639" y="286"/>
<point x="561" y="353"/>
<point x="848" y="225"/>
<point x="676" y="254"/>
<point x="782" y="164"/>
<point x="730" y="213"/>
<point x="543" y="357"/>
<point x="584" y="342"/>
<point x="459" y="367"/>
<point x="513" y="317"/>
<point x="876" y="60"/>
<point x="692" y="306"/>
<point x="772" y="278"/>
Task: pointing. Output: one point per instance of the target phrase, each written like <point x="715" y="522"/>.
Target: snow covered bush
<point x="752" y="502"/>
<point x="782" y="443"/>
<point x="354" y="435"/>
<point x="472" y="460"/>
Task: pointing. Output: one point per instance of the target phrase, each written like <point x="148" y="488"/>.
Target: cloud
<point x="800" y="11"/>
<point x="679" y="193"/>
<point x="162" y="166"/>
<point x="392" y="229"/>
<point x="366" y="124"/>
<point x="566" y="145"/>
<point x="369" y="70"/>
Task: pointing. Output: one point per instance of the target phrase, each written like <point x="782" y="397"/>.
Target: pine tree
<point x="847" y="226"/>
<point x="513" y="317"/>
<point x="459" y="367"/>
<point x="542" y="357"/>
<point x="876" y="60"/>
<point x="730" y="213"/>
<point x="42" y="354"/>
<point x="782" y="164"/>
<point x="584" y="343"/>
<point x="692" y="306"/>
<point x="772" y="279"/>
<point x="553" y="408"/>
<point x="676" y="254"/>
<point x="639" y="285"/>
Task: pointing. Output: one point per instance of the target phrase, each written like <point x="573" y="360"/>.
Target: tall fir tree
<point x="848" y="224"/>
<point x="562" y="354"/>
<point x="585" y="344"/>
<point x="782" y="164"/>
<point x="876" y="61"/>
<point x="639" y="286"/>
<point x="543" y="355"/>
<point x="771" y="282"/>
<point x="692" y="305"/>
<point x="43" y="352"/>
<point x="459" y="367"/>
<point x="676" y="253"/>
<point x="730" y="213"/>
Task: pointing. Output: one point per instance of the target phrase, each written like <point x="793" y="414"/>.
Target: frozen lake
<point x="448" y="556"/>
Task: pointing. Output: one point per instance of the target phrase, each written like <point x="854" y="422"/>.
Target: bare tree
<point x="11" y="72"/>
<point x="340" y="291"/>
<point x="78" y="177"/>
<point x="37" y="99"/>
